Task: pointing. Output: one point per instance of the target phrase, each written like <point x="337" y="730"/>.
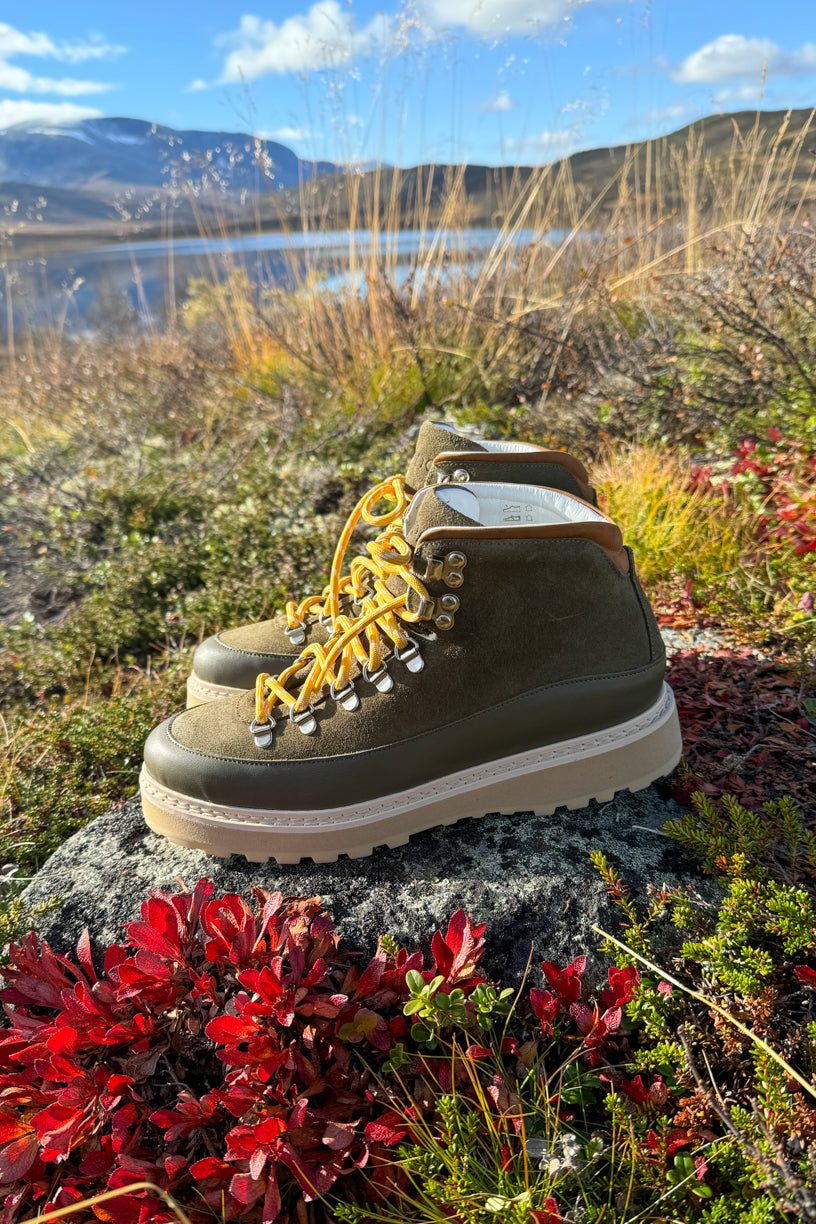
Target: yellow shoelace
<point x="326" y="606"/>
<point x="354" y="638"/>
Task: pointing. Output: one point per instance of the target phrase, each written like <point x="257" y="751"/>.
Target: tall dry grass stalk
<point x="557" y="245"/>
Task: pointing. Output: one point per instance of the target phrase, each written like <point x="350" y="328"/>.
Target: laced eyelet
<point x="347" y="697"/>
<point x="296" y="634"/>
<point x="327" y="622"/>
<point x="380" y="678"/>
<point x="262" y="732"/>
<point x="410" y="656"/>
<point x="305" y="721"/>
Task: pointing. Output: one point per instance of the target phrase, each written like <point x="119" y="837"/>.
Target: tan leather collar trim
<point x="607" y="535"/>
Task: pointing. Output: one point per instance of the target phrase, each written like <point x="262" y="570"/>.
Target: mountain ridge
<point x="123" y="179"/>
<point x="117" y="153"/>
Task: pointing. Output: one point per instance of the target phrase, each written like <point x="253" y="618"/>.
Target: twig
<point x="701" y="998"/>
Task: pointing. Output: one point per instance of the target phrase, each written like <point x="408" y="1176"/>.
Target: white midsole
<point x="199" y="691"/>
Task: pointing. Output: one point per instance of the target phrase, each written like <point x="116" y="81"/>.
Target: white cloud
<point x="740" y="93"/>
<point x="197" y="85"/>
<point x="15" y="42"/>
<point x="496" y="18"/>
<point x="500" y="101"/>
<point x="288" y="133"/>
<point x="79" y="53"/>
<point x="323" y="37"/>
<point x="22" y="110"/>
<point x="326" y="34"/>
<point x="13" y="78"/>
<point x="733" y="56"/>
<point x="548" y="144"/>
<point x="21" y="81"/>
<point x="675" y="112"/>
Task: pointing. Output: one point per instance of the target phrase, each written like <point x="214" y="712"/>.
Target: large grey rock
<point x="528" y="877"/>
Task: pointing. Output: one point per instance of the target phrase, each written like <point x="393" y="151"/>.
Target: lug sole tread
<point x="394" y="843"/>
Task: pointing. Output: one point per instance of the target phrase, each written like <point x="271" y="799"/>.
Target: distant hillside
<point x="722" y="146"/>
<point x="108" y="179"/>
<point x="30" y="204"/>
<point x="104" y="156"/>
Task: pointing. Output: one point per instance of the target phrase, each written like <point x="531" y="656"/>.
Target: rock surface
<point x="528" y="877"/>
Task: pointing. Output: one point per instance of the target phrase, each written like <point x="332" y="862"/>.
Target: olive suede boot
<point x="228" y="662"/>
<point x="506" y="660"/>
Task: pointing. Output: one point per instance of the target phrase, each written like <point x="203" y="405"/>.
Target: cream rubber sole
<point x="199" y="692"/>
<point x="625" y="757"/>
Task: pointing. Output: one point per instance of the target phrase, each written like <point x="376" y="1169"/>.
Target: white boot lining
<point x="501" y="505"/>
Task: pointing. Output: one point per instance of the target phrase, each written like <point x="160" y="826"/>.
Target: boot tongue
<point x="433" y="440"/>
<point x="429" y="510"/>
<point x="443" y="506"/>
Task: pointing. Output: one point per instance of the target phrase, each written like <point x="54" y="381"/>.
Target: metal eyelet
<point x="448" y="604"/>
<point x="326" y="622"/>
<point x="305" y="721"/>
<point x="380" y="678"/>
<point x="461" y="476"/>
<point x="262" y="732"/>
<point x="296" y="634"/>
<point x="410" y="656"/>
<point x="347" y="696"/>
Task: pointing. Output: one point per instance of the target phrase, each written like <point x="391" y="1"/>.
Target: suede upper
<point x="550" y="640"/>
<point x="234" y="657"/>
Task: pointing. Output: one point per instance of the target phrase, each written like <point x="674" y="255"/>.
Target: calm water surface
<point x="105" y="287"/>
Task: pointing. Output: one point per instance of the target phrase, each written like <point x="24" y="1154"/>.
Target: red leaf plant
<point x="596" y="1024"/>
<point x="215" y="1056"/>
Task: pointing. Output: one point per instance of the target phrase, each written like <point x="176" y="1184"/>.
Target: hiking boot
<point x="506" y="660"/>
<point x="228" y="662"/>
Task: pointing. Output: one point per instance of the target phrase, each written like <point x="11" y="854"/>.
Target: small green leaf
<point x="414" y="980"/>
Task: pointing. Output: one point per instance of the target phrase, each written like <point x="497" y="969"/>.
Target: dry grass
<point x="671" y="527"/>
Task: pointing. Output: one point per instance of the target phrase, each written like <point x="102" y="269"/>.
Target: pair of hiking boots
<point x="492" y="651"/>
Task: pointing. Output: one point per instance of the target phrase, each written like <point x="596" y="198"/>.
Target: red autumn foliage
<point x="780" y="481"/>
<point x="622" y="986"/>
<point x="214" y="1056"/>
<point x="217" y="1055"/>
<point x="744" y="729"/>
<point x="566" y="983"/>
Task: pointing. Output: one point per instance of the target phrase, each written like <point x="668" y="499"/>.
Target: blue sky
<point x="432" y="80"/>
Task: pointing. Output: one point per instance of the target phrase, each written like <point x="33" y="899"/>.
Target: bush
<point x="216" y="1055"/>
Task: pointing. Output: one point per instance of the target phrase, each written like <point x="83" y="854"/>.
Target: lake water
<point x="105" y="287"/>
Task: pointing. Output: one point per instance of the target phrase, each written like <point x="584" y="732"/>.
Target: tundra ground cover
<point x="230" y="1061"/>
